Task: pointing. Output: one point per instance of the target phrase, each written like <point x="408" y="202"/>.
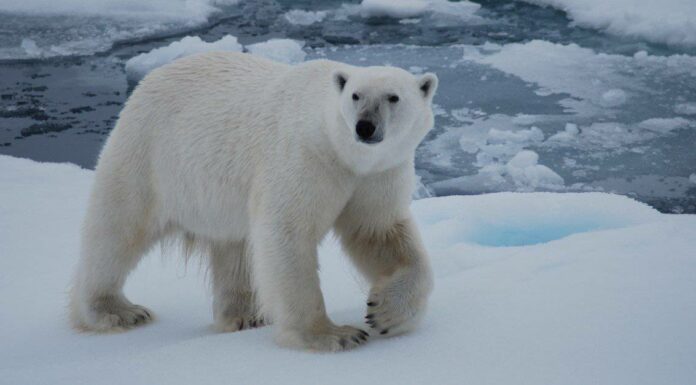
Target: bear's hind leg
<point x="234" y="302"/>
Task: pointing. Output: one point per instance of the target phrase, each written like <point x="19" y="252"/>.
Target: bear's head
<point x="384" y="113"/>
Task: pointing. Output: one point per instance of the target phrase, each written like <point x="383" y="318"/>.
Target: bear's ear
<point x="340" y="79"/>
<point x="428" y="84"/>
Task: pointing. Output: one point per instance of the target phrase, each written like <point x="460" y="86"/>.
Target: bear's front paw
<point x="396" y="304"/>
<point x="330" y="339"/>
<point x="111" y="314"/>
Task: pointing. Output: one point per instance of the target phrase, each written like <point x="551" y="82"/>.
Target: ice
<point x="30" y="48"/>
<point x="614" y="98"/>
<point x="569" y="134"/>
<point x="685" y="108"/>
<point x="138" y="66"/>
<point x="692" y="178"/>
<point x="300" y="17"/>
<point x="537" y="288"/>
<point x="599" y="80"/>
<point x="667" y="21"/>
<point x="405" y="9"/>
<point x="82" y="27"/>
<point x="421" y="191"/>
<point x="664" y="125"/>
<point x="528" y="175"/>
<point x="194" y="10"/>
<point x="282" y="50"/>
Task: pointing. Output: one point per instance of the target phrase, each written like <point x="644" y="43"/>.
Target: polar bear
<point x="254" y="162"/>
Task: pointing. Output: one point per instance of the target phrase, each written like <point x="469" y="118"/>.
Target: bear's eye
<point x="393" y="99"/>
<point x="356" y="97"/>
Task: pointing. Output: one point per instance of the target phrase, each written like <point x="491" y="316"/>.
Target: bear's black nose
<point x="365" y="129"/>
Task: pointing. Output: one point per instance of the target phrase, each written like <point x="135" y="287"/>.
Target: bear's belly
<point x="205" y="207"/>
<point x="221" y="220"/>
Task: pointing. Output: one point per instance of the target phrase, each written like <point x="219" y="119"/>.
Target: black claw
<point x="385" y="331"/>
<point x="252" y="323"/>
<point x="362" y="337"/>
<point x="372" y="303"/>
<point x="355" y="339"/>
<point x="364" y="333"/>
<point x="369" y="316"/>
<point x="147" y="313"/>
<point x="342" y="342"/>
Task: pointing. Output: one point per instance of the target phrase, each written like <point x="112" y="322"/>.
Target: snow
<point x="405" y="9"/>
<point x="666" y="21"/>
<point x="300" y="17"/>
<point x="283" y="50"/>
<point x="533" y="288"/>
<point x="137" y="67"/>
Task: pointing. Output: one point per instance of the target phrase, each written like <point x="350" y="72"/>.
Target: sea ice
<point x="667" y="21"/>
<point x="138" y="66"/>
<point x="300" y="17"/>
<point x="405" y="9"/>
<point x="282" y="50"/>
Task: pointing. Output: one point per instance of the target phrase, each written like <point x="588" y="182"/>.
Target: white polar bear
<point x="255" y="162"/>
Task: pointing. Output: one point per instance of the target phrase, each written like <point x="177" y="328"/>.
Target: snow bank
<point x="414" y="8"/>
<point x="283" y="50"/>
<point x="537" y="288"/>
<point x="667" y="21"/>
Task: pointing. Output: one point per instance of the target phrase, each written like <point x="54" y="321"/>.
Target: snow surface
<point x="534" y="288"/>
<point x="282" y="50"/>
<point x="665" y="21"/>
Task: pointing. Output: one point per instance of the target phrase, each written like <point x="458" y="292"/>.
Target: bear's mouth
<point x="371" y="140"/>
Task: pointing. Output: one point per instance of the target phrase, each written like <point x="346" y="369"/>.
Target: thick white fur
<point x="257" y="161"/>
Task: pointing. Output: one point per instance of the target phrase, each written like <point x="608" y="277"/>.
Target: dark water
<point x="61" y="109"/>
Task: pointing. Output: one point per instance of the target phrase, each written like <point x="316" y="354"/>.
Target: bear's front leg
<point x="285" y="271"/>
<point x="396" y="264"/>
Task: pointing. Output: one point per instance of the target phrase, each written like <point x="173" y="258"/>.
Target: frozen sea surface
<point x="531" y="98"/>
